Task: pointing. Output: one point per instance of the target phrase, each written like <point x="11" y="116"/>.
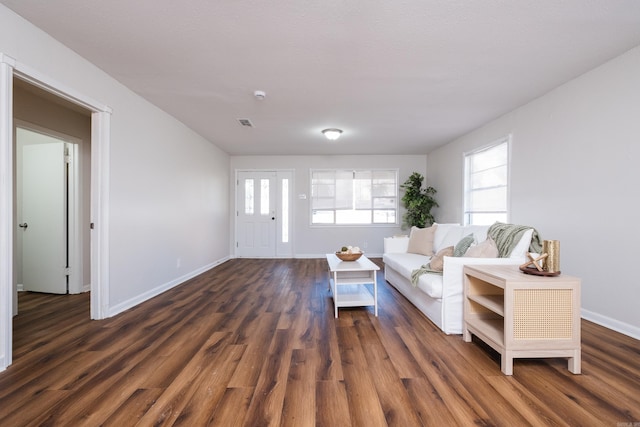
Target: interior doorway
<point x="12" y="71"/>
<point x="50" y="256"/>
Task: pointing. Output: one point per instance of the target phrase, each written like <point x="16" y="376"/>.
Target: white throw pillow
<point x="521" y="249"/>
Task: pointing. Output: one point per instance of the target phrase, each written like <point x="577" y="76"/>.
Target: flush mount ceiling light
<point x="332" y="134"/>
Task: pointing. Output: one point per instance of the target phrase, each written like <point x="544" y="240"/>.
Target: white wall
<point x="316" y="241"/>
<point x="574" y="176"/>
<point x="169" y="187"/>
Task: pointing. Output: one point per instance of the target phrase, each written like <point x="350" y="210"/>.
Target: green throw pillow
<point x="463" y="245"/>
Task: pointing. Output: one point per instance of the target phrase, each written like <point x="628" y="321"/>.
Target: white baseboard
<point x="85" y="288"/>
<point x="616" y="325"/>
<point x="123" y="306"/>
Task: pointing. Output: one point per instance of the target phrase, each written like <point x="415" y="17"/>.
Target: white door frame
<point x="100" y="142"/>
<point x="75" y="231"/>
<point x="282" y="250"/>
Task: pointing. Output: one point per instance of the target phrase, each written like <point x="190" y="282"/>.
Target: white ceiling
<point x="398" y="76"/>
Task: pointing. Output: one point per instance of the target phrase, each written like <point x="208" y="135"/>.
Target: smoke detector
<point x="259" y="94"/>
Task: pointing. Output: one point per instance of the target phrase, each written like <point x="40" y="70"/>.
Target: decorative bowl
<point x="348" y="257"/>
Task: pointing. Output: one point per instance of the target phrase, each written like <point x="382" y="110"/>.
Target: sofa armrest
<point x="394" y="245"/>
<point x="453" y="276"/>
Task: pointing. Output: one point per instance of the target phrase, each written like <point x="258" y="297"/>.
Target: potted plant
<point x="418" y="201"/>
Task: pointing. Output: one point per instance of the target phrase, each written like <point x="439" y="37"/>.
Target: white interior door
<point x="256" y="215"/>
<point x="43" y="222"/>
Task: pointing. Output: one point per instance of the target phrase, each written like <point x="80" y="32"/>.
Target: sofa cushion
<point x="463" y="245"/>
<point x="404" y="263"/>
<point x="486" y="249"/>
<point x="479" y="232"/>
<point x="437" y="261"/>
<point x="451" y="233"/>
<point x="421" y="240"/>
<point x="431" y="284"/>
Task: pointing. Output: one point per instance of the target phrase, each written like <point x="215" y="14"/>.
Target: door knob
<point x="273" y="217"/>
<point x="23" y="225"/>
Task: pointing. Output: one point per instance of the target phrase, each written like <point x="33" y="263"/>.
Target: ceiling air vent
<point x="245" y="123"/>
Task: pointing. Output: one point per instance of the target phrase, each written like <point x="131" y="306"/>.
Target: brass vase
<point x="552" y="249"/>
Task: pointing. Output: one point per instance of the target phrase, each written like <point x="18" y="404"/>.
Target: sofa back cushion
<point x="421" y="240"/>
<point x="451" y="234"/>
<point x="479" y="232"/>
<point x="446" y="235"/>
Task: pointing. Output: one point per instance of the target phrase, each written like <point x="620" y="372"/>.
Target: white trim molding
<point x="100" y="131"/>
<point x="6" y="207"/>
<point x="40" y="80"/>
<point x="126" y="305"/>
<point x="613" y="324"/>
<point x="100" y="144"/>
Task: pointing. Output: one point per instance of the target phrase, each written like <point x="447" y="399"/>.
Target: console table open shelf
<point x="521" y="315"/>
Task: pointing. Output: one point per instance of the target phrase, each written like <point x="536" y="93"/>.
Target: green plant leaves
<point x="418" y="202"/>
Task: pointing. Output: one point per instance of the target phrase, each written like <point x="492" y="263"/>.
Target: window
<point x="285" y="210"/>
<point x="486" y="184"/>
<point x="353" y="197"/>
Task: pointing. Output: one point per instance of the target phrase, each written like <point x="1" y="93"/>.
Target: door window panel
<point x="264" y="197"/>
<point x="248" y="197"/>
<point x="285" y="211"/>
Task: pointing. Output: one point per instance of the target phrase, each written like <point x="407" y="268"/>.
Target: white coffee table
<point x="348" y="280"/>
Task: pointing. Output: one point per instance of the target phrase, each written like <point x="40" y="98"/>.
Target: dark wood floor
<point x="254" y="342"/>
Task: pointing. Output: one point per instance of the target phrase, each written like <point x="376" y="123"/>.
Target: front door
<point x="256" y="214"/>
<point x="43" y="220"/>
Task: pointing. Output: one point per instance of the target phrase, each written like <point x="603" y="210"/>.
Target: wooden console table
<point x="521" y="315"/>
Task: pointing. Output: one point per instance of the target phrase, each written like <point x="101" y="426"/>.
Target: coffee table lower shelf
<point x="352" y="296"/>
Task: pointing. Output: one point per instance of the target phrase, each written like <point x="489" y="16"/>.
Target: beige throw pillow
<point x="486" y="249"/>
<point x="421" y="240"/>
<point x="437" y="262"/>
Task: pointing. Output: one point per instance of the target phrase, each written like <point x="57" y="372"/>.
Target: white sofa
<point x="439" y="296"/>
